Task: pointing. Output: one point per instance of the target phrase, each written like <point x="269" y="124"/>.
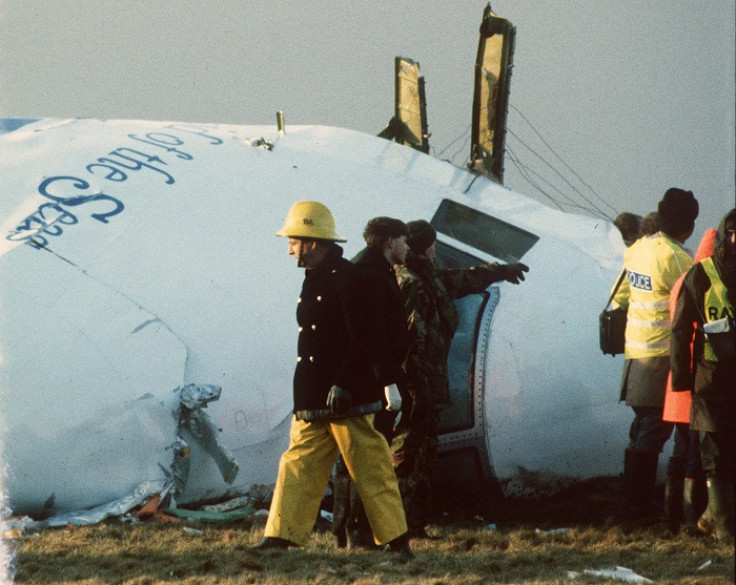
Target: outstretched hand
<point x="515" y="272"/>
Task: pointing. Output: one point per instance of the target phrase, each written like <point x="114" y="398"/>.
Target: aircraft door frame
<point x="464" y="452"/>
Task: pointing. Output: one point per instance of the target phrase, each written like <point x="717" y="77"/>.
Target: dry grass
<point x="467" y="552"/>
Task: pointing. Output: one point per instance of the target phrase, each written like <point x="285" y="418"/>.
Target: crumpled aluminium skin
<point x="97" y="514"/>
<point x="192" y="418"/>
<point x="193" y="398"/>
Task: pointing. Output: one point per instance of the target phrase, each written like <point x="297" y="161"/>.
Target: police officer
<point x="431" y="321"/>
<point x="336" y="394"/>
<point x="708" y="297"/>
<point x="653" y="264"/>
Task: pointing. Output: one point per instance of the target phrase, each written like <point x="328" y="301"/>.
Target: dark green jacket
<point x="432" y="320"/>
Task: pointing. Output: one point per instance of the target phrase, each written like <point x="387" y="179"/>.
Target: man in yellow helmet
<point x="653" y="264"/>
<point x="336" y="393"/>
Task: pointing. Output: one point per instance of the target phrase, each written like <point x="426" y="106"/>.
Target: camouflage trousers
<point x="415" y="455"/>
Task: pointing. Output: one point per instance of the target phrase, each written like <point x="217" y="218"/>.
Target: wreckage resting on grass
<point x="139" y="263"/>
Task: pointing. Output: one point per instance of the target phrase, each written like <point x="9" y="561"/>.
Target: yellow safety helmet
<point x="310" y="219"/>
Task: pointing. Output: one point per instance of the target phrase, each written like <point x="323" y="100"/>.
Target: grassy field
<point x="548" y="541"/>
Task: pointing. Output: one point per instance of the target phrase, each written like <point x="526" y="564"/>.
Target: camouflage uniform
<point x="432" y="320"/>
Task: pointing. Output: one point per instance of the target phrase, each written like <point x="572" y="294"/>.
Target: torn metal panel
<point x="411" y="105"/>
<point x="409" y="123"/>
<point x="491" y="95"/>
<point x="191" y="421"/>
<point x="112" y="509"/>
<point x="195" y="423"/>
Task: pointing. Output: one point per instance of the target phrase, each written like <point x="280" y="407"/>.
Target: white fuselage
<point x="161" y="268"/>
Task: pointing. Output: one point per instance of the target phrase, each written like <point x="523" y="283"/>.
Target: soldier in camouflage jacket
<point x="428" y="295"/>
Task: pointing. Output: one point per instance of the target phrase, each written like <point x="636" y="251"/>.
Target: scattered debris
<point x="233" y="504"/>
<point x="141" y="494"/>
<point x="552" y="532"/>
<point x="15" y="527"/>
<point x="12" y="533"/>
<point x="259" y="143"/>
<point x="536" y="484"/>
<point x="203" y="515"/>
<point x="617" y="573"/>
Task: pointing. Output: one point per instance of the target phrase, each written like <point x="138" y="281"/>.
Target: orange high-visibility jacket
<point x="677" y="404"/>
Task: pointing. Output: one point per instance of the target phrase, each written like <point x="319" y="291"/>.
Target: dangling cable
<point x="552" y="150"/>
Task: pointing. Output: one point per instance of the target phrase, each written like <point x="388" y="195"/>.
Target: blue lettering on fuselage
<point x="639" y="281"/>
<point x="119" y="165"/>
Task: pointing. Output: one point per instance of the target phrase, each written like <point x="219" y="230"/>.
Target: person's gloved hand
<point x="514" y="273"/>
<point x="339" y="400"/>
<point x="393" y="398"/>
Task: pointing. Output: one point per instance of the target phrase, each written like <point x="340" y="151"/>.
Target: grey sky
<point x="635" y="95"/>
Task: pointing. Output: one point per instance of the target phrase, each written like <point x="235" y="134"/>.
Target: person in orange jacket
<point x="684" y="495"/>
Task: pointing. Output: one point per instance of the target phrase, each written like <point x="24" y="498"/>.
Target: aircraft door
<point x="464" y="459"/>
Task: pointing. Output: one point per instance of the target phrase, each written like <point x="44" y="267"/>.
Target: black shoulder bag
<point x="612" y="325"/>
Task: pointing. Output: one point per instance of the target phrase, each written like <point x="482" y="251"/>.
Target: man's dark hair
<point x="629" y="224"/>
<point x="379" y="229"/>
<point x="650" y="226"/>
<point x="677" y="212"/>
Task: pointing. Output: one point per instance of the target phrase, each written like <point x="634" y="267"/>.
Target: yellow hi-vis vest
<point x="716" y="303"/>
<point x="653" y="264"/>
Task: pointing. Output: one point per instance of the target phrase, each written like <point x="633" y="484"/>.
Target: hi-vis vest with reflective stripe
<point x="716" y="303"/>
<point x="653" y="264"/>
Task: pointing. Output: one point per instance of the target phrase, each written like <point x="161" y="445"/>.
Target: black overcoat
<point x="387" y="316"/>
<point x="335" y="345"/>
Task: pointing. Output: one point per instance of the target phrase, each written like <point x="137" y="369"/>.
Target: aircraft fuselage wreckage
<point x="147" y="328"/>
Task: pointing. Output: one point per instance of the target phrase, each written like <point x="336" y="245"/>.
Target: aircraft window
<point x="448" y="257"/>
<point x="493" y="236"/>
<point x="459" y="415"/>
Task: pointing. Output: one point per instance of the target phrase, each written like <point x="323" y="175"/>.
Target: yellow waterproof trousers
<point x="305" y="469"/>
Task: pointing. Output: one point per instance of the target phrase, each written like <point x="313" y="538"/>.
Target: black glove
<point x="514" y="273"/>
<point x="339" y="400"/>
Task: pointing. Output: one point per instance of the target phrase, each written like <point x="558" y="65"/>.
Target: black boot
<point x="359" y="532"/>
<point x="342" y="539"/>
<point x="273" y="543"/>
<point x="674" y="488"/>
<point x="721" y="505"/>
<point x="640" y="476"/>
<point x="400" y="545"/>
<point x="361" y="540"/>
<point x="341" y="503"/>
<point x="694" y="500"/>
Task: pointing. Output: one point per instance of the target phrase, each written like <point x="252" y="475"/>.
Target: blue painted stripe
<point x="11" y="124"/>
